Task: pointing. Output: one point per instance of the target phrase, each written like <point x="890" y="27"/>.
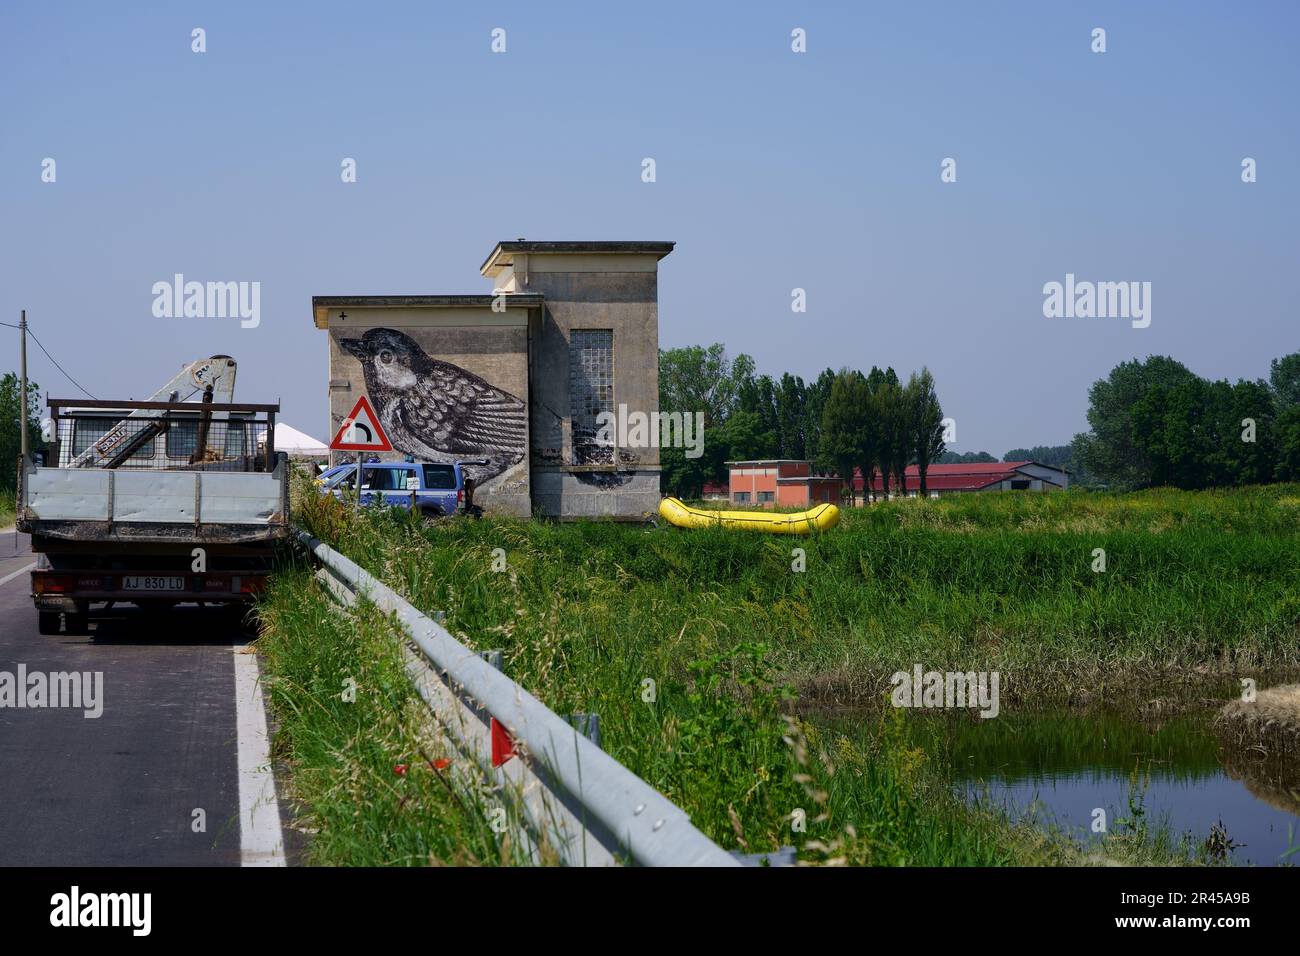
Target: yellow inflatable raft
<point x="821" y="518"/>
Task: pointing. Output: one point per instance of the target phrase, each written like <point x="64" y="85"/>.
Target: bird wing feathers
<point x="456" y="411"/>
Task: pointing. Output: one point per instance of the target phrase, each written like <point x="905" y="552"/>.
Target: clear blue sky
<point x="775" y="170"/>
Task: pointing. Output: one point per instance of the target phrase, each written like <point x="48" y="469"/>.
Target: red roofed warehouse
<point x="977" y="476"/>
<point x="792" y="483"/>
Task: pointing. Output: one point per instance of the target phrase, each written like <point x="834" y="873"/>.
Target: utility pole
<point x="22" y="388"/>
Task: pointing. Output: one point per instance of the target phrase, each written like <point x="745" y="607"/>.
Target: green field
<point x="1198" y="587"/>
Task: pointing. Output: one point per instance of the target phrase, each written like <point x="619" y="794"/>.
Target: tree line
<point x="1152" y="422"/>
<point x="840" y="421"/>
<point x="1155" y="422"/>
<point x="10" y="437"/>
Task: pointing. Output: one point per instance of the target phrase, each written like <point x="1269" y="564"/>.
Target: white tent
<point x="298" y="444"/>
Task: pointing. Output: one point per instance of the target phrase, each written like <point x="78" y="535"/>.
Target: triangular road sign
<point x="360" y="431"/>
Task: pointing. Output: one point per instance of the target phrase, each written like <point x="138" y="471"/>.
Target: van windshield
<point x="346" y="478"/>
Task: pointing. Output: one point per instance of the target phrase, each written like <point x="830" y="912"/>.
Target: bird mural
<point x="437" y="411"/>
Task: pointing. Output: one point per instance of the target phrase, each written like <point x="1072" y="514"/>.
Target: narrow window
<point x="591" y="393"/>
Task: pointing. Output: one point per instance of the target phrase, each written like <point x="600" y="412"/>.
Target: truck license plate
<point x="145" y="583"/>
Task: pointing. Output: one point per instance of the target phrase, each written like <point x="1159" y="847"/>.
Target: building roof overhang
<point x="502" y="255"/>
<point x="321" y="305"/>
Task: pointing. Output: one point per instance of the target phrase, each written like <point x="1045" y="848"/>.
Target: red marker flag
<point x="503" y="745"/>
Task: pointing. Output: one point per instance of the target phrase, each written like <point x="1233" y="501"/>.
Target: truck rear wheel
<point x="47" y="622"/>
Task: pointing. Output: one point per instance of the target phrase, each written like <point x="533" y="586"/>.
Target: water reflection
<point x="1056" y="769"/>
<point x="1062" y="767"/>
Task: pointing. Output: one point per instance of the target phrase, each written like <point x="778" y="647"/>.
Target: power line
<point x="9" y="325"/>
<point x="56" y="364"/>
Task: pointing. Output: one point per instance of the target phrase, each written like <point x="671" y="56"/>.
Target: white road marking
<point x="9" y="577"/>
<point x="261" y="842"/>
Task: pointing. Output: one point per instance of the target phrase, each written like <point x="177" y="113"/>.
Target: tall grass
<point x="1196" y="584"/>
<point x="690" y="644"/>
<point x="739" y="768"/>
<point x="367" y="782"/>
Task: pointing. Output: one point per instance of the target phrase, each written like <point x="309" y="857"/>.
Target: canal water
<point x="1058" y="769"/>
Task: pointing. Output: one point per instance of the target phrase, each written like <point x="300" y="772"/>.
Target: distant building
<point x="785" y="482"/>
<point x="976" y="476"/>
<point x="793" y="483"/>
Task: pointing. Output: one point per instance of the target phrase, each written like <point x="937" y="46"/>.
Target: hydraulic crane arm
<point x="211" y="379"/>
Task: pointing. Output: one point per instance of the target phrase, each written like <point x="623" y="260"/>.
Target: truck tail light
<point x="52" y="583"/>
<point x="252" y="584"/>
<point x="460" y="497"/>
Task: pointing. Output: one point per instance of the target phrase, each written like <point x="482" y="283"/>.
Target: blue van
<point x="434" y="489"/>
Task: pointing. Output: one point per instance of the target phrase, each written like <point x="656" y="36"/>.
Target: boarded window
<point x="591" y="392"/>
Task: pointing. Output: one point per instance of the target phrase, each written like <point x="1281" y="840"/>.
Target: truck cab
<point x="435" y="489"/>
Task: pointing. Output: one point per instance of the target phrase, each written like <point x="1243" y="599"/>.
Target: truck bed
<point x="171" y="507"/>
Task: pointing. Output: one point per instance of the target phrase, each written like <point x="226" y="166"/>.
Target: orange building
<point x="779" y="481"/>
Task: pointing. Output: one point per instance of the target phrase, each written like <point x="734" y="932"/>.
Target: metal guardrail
<point x="592" y="809"/>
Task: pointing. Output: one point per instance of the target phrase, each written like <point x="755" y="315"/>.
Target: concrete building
<point x="516" y="379"/>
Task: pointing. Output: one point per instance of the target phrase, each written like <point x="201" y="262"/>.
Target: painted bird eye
<point x="385" y="356"/>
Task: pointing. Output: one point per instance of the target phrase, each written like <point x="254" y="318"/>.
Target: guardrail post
<point x="494" y="657"/>
<point x="588" y="725"/>
<point x="786" y="856"/>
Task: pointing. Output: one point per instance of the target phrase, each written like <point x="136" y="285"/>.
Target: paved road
<point x="122" y="788"/>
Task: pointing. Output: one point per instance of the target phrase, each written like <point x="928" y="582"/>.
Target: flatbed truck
<point x="154" y="503"/>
